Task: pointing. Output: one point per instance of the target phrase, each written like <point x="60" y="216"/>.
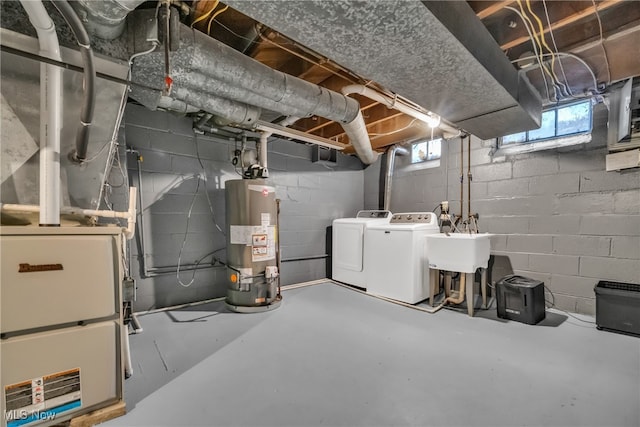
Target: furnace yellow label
<point x="43" y="398"/>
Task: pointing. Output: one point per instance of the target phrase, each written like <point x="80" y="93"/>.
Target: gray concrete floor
<point x="331" y="356"/>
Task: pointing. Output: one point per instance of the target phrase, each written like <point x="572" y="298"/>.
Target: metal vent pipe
<point x="388" y="176"/>
<point x="206" y="68"/>
<point x="105" y="19"/>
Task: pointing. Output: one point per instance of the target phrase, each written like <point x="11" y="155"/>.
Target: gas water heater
<point x="252" y="246"/>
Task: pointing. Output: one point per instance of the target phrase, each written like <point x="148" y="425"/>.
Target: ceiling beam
<point x="493" y="9"/>
<point x="565" y="21"/>
<point x="396" y="129"/>
<point x="379" y="125"/>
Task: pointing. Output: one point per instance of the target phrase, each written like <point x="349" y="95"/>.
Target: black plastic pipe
<point x="89" y="77"/>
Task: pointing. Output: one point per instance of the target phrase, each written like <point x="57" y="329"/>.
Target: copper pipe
<point x="469" y="177"/>
<point x="461" y="177"/>
<point x="278" y="257"/>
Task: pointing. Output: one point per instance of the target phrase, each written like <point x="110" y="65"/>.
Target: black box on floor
<point x="521" y="299"/>
<point x="618" y="307"/>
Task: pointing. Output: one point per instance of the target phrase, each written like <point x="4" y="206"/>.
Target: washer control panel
<point x="373" y="214"/>
<point x="414" y="218"/>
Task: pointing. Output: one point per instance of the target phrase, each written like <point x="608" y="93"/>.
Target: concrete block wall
<point x="312" y="195"/>
<point x="558" y="214"/>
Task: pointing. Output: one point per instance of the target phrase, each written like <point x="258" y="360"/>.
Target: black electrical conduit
<point x="64" y="65"/>
<point x="89" y="77"/>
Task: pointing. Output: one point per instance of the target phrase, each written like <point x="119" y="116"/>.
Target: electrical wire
<point x="569" y="55"/>
<point x="213" y="262"/>
<point x="535" y="42"/>
<point x="604" y="50"/>
<point x="543" y="40"/>
<point x="233" y="32"/>
<point x="206" y="190"/>
<point x="213" y="17"/>
<point x="206" y="15"/>
<point x="555" y="46"/>
<point x="552" y="304"/>
<point x="184" y="241"/>
<point x="535" y="48"/>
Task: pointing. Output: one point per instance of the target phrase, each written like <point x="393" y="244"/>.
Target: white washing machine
<point x="349" y="240"/>
<point x="396" y="257"/>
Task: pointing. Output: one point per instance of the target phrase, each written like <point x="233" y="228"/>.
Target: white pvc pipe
<point x="126" y="350"/>
<point x="50" y="113"/>
<point x="262" y="156"/>
<point x="131" y="219"/>
<point x="287" y="121"/>
<point x="400" y="106"/>
<point x="129" y="215"/>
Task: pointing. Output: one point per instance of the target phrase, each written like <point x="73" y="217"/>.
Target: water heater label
<point x="260" y="240"/>
<point x="265" y="219"/>
<point x="42" y="398"/>
<point x="240" y="234"/>
<point x="264" y="244"/>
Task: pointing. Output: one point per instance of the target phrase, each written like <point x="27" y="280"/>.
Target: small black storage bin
<point x="618" y="307"/>
<point x="521" y="299"/>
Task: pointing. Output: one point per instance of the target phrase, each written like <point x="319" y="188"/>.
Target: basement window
<point x="560" y="127"/>
<point x="424" y="151"/>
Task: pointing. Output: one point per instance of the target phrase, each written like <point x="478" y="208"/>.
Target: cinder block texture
<point x="544" y="164"/>
<point x="566" y="183"/>
<point x="616" y="269"/>
<point x="561" y="264"/>
<point x="582" y="245"/>
<point x="625" y="247"/>
<point x="627" y="202"/>
<point x="529" y="243"/>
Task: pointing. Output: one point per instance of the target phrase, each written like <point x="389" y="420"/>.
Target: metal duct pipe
<point x="50" y="113"/>
<point x="176" y="105"/>
<point x="204" y="85"/>
<point x="235" y="112"/>
<point x="388" y="177"/>
<point x="105" y="19"/>
<point x="204" y="66"/>
<point x="89" y="77"/>
<point x="212" y="58"/>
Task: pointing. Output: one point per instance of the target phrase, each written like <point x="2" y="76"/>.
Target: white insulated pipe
<point x="129" y="215"/>
<point x="50" y="113"/>
<point x="264" y="135"/>
<point x="358" y="135"/>
<point x="390" y="102"/>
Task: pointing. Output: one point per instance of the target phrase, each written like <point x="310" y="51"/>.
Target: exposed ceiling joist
<point x="564" y="22"/>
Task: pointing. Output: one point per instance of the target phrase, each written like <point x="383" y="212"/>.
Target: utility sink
<point x="458" y="251"/>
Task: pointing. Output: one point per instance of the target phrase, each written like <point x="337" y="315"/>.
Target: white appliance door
<point x="389" y="263"/>
<point x="347" y="246"/>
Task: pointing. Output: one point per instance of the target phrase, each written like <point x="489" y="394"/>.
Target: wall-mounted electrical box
<point x="324" y="154"/>
<point x="624" y="117"/>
